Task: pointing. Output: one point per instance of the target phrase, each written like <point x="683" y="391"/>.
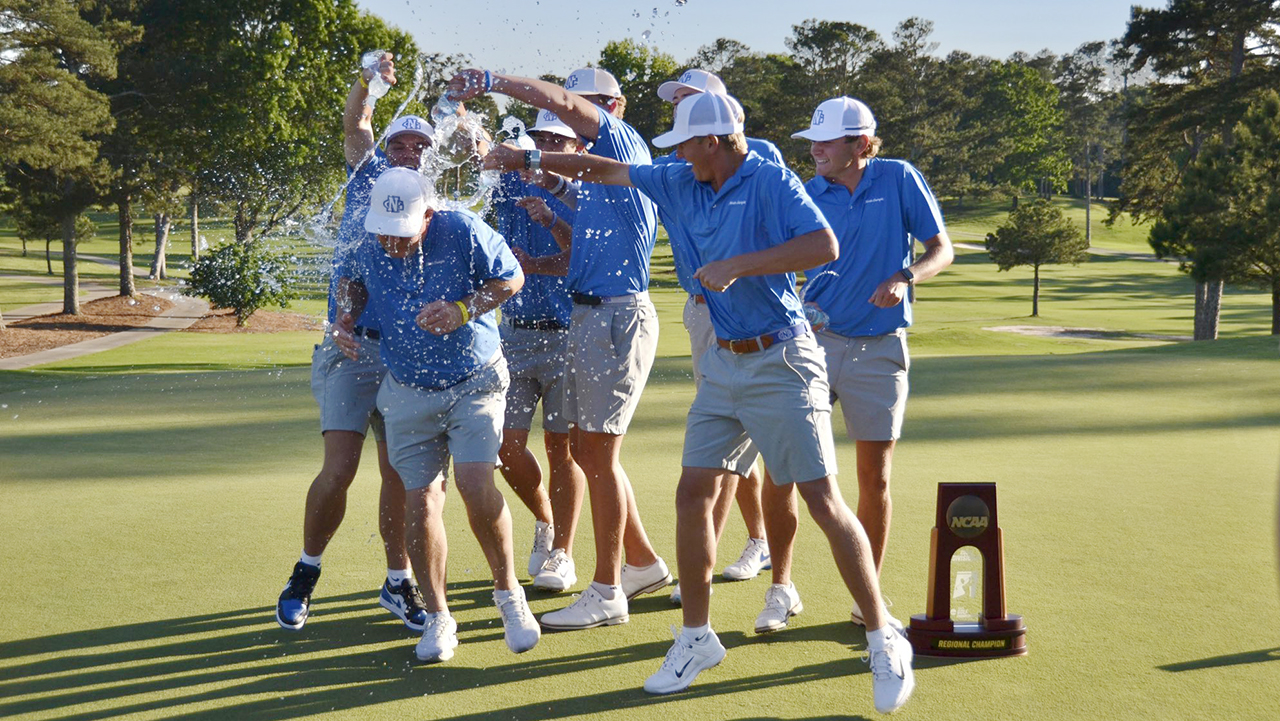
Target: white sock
<point x="311" y="560"/>
<point x="608" y="593"/>
<point x="878" y="638"/>
<point x="500" y="594"/>
<point x="397" y="575"/>
<point x="698" y="632"/>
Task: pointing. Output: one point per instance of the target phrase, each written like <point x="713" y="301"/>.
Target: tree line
<point x="234" y="106"/>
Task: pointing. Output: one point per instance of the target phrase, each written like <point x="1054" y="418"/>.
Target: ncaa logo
<point x="688" y="75"/>
<point x="819" y="117"/>
<point x="411" y="124"/>
<point x="571" y="82"/>
<point x="393" y="204"/>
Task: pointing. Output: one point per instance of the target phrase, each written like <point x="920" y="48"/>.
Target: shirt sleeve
<point x="492" y="258"/>
<point x="920" y="211"/>
<point x="619" y="141"/>
<point x="795" y="213"/>
<point x="658" y="182"/>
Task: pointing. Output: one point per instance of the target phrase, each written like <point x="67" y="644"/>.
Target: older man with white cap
<point x="750" y="226"/>
<point x="613" y="332"/>
<point x="345" y="389"/>
<point x="878" y="209"/>
<point x="433" y="279"/>
<point x="744" y="484"/>
<point x="535" y="328"/>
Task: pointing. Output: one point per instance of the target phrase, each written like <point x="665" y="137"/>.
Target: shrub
<point x="244" y="277"/>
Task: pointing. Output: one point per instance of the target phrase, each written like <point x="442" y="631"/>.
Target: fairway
<point x="152" y="499"/>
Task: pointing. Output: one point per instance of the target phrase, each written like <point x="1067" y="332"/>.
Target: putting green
<point x="153" y="498"/>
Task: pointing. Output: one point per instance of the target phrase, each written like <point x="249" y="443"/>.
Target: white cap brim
<point x="667" y="90"/>
<point x="379" y="224"/>
<point x="562" y="131"/>
<point x="671" y="138"/>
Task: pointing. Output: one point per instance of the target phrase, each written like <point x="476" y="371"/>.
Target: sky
<point x="531" y="37"/>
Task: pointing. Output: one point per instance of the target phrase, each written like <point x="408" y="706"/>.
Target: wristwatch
<point x="908" y="275"/>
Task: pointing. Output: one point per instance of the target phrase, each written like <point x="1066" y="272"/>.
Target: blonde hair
<point x="737" y="142"/>
<point x="873" y="145"/>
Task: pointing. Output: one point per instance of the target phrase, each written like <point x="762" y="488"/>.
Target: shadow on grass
<point x="1231" y="659"/>
<point x="262" y="672"/>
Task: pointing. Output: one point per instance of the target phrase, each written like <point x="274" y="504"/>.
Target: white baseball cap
<point x="700" y="80"/>
<point x="838" y="117"/>
<point x="411" y="124"/>
<point x="549" y="122"/>
<point x="397" y="203"/>
<point x="700" y="115"/>
<point x="592" y="81"/>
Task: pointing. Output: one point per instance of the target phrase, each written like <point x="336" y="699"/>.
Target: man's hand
<point x="525" y="260"/>
<point x="343" y="332"/>
<point x="504" y="157"/>
<point x="386" y="68"/>
<point x="537" y="210"/>
<point x="440" y="317"/>
<point x="891" y="292"/>
<point x="717" y="275"/>
<point x="466" y="85"/>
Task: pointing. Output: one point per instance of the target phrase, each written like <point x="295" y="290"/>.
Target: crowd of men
<point x="416" y="352"/>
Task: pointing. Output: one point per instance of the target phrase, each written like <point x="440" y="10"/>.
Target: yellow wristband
<point x="363" y="83"/>
<point x="466" y="314"/>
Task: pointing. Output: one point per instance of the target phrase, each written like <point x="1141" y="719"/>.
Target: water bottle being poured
<point x="378" y="87"/>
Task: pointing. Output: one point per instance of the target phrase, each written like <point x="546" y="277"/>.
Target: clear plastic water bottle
<point x="816" y="316"/>
<point x="445" y="107"/>
<point x="372" y="61"/>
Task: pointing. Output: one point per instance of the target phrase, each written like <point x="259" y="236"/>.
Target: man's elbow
<point x="829" y="247"/>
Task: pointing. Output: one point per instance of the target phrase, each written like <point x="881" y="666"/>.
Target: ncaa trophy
<point x="967" y="517"/>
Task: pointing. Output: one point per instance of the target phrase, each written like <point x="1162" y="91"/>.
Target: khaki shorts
<point x="702" y="336"/>
<point x="535" y="359"/>
<point x="611" y="350"/>
<point x="426" y="427"/>
<point x="868" y="375"/>
<point x="777" y="397"/>
<point x="347" y="389"/>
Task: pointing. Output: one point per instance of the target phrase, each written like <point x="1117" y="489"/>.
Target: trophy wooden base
<point x="989" y="638"/>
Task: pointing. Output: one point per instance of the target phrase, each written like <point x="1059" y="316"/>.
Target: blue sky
<point x="530" y="37"/>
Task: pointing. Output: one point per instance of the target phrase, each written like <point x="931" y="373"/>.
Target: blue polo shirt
<point x="351" y="232"/>
<point x="616" y="226"/>
<point x="459" y="253"/>
<point x="543" y="297"/>
<point x="684" y="269"/>
<point x="761" y="206"/>
<point x="875" y="225"/>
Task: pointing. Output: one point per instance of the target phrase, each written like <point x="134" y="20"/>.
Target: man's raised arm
<point x="574" y="110"/>
<point x="357" y="116"/>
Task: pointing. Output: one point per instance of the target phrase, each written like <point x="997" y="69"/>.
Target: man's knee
<point x="696" y="491"/>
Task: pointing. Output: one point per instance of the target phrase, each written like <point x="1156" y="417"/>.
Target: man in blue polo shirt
<point x="613" y="332"/>
<point x="878" y="208"/>
<point x="535" y="329"/>
<point x="346" y="389"/>
<point x="749" y="226"/>
<point x="432" y="279"/>
<point x="744" y="484"/>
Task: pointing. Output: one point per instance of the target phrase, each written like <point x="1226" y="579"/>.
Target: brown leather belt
<point x="699" y="299"/>
<point x="761" y="342"/>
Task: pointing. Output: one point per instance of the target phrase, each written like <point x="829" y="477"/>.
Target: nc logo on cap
<point x="818" y="117"/>
<point x="688" y="75"/>
<point x="571" y="82"/>
<point x="411" y="124"/>
<point x="393" y="204"/>
<point x="549" y="116"/>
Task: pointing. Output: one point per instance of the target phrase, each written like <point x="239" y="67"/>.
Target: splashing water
<point x="815" y="315"/>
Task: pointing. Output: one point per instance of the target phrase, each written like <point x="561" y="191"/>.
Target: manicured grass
<point x="971" y="223"/>
<point x="153" y="498"/>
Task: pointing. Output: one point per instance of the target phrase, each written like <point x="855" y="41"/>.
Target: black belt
<point x="584" y="299"/>
<point x="538" y="324"/>
<point x="761" y="342"/>
<point x="370" y="333"/>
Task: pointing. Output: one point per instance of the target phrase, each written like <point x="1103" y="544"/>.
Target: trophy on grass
<point x="967" y="522"/>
